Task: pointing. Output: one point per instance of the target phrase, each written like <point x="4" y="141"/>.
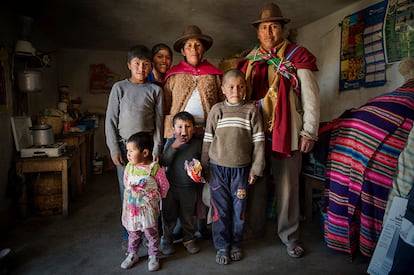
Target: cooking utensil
<point x="29" y="80"/>
<point x="42" y="135"/>
<point x="24" y="47"/>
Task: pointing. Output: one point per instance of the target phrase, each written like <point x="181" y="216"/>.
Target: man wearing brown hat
<point x="281" y="80"/>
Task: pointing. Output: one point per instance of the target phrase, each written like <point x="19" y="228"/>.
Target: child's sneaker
<point x="192" y="247"/>
<point x="129" y="261"/>
<point x="153" y="263"/>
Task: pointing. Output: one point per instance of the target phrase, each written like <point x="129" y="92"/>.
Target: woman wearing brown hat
<point x="281" y="80"/>
<point x="193" y="85"/>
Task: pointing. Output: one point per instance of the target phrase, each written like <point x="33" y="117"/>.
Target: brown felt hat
<point x="193" y="31"/>
<point x="270" y="13"/>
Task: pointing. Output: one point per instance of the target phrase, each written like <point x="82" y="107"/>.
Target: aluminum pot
<point x="29" y="80"/>
<point x="42" y="135"/>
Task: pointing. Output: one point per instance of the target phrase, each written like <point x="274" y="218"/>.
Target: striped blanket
<point x="363" y="154"/>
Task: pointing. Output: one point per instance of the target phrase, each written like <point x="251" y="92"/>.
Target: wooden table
<point x="83" y="141"/>
<point x="53" y="164"/>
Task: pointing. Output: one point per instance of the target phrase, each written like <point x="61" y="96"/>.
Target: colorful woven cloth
<point x="282" y="65"/>
<point x="276" y="113"/>
<point x="363" y="155"/>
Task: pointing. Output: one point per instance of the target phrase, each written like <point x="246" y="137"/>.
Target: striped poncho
<point x="363" y="155"/>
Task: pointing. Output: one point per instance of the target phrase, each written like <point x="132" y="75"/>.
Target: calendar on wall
<point x="363" y="62"/>
<point x="399" y="30"/>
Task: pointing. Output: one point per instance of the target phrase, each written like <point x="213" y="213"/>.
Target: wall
<point x="6" y="138"/>
<point x="74" y="65"/>
<point x="323" y="38"/>
<point x="6" y="165"/>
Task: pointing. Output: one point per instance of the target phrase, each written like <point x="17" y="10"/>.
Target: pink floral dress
<point x="144" y="187"/>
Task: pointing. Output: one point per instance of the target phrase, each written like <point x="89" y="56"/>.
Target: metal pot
<point x="42" y="135"/>
<point x="29" y="80"/>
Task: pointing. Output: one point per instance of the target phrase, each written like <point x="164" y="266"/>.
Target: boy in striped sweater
<point x="233" y="156"/>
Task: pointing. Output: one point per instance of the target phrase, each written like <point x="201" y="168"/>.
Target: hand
<point x="252" y="178"/>
<point x="178" y="142"/>
<point x="306" y="144"/>
<point x="117" y="159"/>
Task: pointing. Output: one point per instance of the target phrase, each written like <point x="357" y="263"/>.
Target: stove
<point x="23" y="140"/>
<point x="53" y="150"/>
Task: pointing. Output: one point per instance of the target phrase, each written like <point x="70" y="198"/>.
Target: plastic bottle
<point x="66" y="123"/>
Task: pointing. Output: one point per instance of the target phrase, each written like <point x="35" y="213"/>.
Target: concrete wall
<point x="74" y="65"/>
<point x="323" y="39"/>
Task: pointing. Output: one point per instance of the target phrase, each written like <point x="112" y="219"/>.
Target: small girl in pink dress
<point x="145" y="184"/>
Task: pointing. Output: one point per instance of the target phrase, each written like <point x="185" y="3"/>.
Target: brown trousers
<point x="285" y="173"/>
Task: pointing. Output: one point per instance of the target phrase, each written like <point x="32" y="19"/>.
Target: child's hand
<point x="178" y="142"/>
<point x="117" y="160"/>
<point x="252" y="178"/>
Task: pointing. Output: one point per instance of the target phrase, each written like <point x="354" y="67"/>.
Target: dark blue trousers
<point x="228" y="188"/>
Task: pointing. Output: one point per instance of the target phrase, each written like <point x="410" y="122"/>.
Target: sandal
<point x="222" y="256"/>
<point x="236" y="253"/>
<point x="294" y="250"/>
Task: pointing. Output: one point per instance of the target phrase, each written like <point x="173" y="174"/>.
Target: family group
<point x="246" y="127"/>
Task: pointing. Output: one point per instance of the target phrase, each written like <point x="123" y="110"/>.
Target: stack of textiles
<point x="363" y="153"/>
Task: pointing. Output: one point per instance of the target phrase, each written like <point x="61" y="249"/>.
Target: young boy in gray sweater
<point x="134" y="105"/>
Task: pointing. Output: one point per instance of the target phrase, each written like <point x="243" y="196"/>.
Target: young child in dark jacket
<point x="182" y="196"/>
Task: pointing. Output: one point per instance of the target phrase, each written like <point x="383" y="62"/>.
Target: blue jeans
<point x="228" y="187"/>
<point x="120" y="173"/>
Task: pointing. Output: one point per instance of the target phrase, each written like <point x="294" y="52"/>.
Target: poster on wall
<point x="399" y="30"/>
<point x="101" y="78"/>
<point x="362" y="55"/>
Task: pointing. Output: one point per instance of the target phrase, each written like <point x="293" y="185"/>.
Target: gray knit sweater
<point x="133" y="108"/>
<point x="234" y="137"/>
